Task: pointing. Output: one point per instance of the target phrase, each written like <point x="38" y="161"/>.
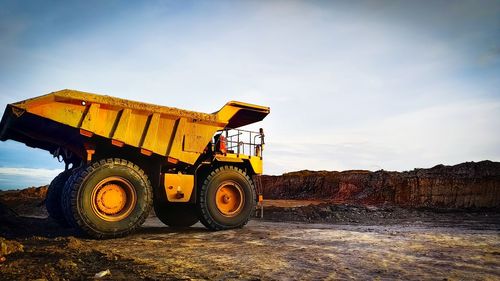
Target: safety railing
<point x="243" y="141"/>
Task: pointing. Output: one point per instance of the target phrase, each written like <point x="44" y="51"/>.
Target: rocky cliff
<point x="466" y="185"/>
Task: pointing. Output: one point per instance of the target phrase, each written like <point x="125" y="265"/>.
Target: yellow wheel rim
<point x="229" y="198"/>
<point x="113" y="199"/>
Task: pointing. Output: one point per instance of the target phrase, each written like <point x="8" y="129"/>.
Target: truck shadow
<point x="12" y="227"/>
<point x="18" y="227"/>
<point x="154" y="230"/>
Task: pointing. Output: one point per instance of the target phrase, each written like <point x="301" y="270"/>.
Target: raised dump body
<point x="166" y="131"/>
<point x="120" y="152"/>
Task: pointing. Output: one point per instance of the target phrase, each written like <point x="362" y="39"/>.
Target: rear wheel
<point x="176" y="214"/>
<point x="226" y="199"/>
<point x="53" y="198"/>
<point x="110" y="198"/>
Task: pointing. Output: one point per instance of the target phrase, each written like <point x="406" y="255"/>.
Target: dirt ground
<point x="329" y="242"/>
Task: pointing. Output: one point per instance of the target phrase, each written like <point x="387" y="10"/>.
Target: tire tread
<point x="54" y="197"/>
<point x="204" y="215"/>
<point x="70" y="203"/>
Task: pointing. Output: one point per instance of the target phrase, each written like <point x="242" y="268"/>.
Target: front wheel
<point x="226" y="199"/>
<point x="107" y="199"/>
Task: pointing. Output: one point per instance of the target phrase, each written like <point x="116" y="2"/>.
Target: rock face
<point x="466" y="185"/>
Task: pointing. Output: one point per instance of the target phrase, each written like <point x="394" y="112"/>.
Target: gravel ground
<point x="353" y="243"/>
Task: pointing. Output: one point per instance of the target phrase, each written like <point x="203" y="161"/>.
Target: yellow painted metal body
<point x="179" y="135"/>
<point x="178" y="187"/>
<point x="254" y="161"/>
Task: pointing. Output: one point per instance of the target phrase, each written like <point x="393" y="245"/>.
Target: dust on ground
<point x="326" y="241"/>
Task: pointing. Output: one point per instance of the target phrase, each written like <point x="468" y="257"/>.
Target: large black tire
<point x="211" y="215"/>
<point x="66" y="199"/>
<point x="84" y="198"/>
<point x="176" y="214"/>
<point x="53" y="198"/>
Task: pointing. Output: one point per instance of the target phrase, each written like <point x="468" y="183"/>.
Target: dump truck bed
<point x="66" y="118"/>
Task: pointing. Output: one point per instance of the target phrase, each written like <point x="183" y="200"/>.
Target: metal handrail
<point x="235" y="140"/>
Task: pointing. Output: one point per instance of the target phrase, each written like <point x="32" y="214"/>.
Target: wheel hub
<point x="113" y="199"/>
<point x="229" y="198"/>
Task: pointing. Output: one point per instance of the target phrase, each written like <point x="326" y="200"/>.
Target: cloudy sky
<point x="372" y="85"/>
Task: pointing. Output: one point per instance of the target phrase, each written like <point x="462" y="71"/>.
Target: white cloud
<point x="447" y="134"/>
<point x="29" y="171"/>
<point x="363" y="86"/>
<point x="44" y="176"/>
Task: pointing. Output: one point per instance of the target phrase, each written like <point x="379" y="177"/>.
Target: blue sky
<point x="351" y="84"/>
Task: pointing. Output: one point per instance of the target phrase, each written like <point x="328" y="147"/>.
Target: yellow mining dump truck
<point x="124" y="157"/>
